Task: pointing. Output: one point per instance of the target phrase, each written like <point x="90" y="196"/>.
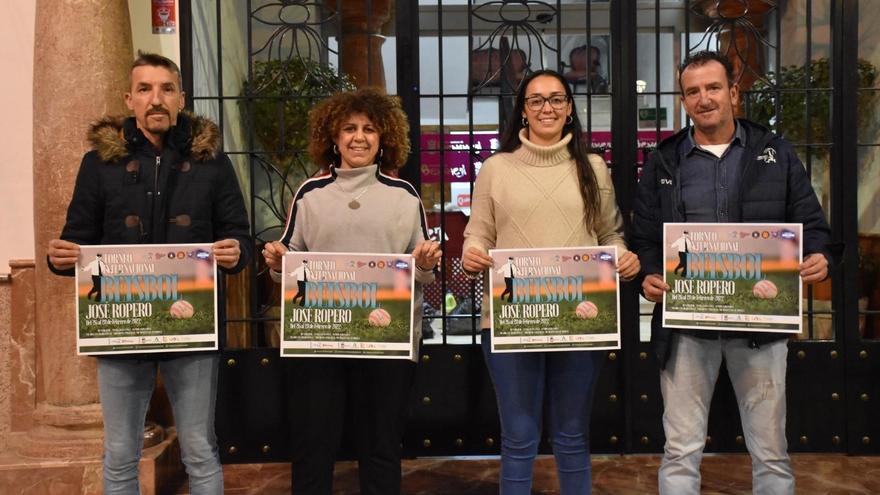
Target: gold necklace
<point x="353" y="204"/>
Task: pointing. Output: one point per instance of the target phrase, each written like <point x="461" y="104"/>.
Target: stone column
<point x="82" y="53"/>
<point x="5" y="376"/>
<point x="22" y="353"/>
<point x="361" y="39"/>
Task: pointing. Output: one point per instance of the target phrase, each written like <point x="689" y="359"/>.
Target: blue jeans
<point x="126" y="386"/>
<point x="687" y="384"/>
<point x="520" y="380"/>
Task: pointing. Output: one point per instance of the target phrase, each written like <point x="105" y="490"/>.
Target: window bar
<point x="255" y="339"/>
<point x="687" y="51"/>
<point x="558" y="38"/>
<point x="186" y="55"/>
<point x="808" y="138"/>
<point x="657" y="76"/>
<point x="220" y="116"/>
<point x="776" y="83"/>
<point x="470" y="104"/>
<point x="369" y="36"/>
<point x="589" y="107"/>
<point x="339" y="49"/>
<point x="444" y="286"/>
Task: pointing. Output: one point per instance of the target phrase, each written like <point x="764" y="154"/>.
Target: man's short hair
<point x="156" y="60"/>
<point x="700" y="58"/>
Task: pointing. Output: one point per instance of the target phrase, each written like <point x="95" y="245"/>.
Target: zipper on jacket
<point x="156" y="175"/>
<point x="156" y="194"/>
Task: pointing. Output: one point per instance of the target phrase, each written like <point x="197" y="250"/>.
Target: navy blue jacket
<point x="128" y="193"/>
<point x="771" y="192"/>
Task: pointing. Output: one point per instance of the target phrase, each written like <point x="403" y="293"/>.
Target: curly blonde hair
<point x="385" y="112"/>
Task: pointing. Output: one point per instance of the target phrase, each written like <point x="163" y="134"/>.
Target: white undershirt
<point x="716" y="149"/>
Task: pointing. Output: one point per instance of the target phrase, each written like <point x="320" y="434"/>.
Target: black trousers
<point x="96" y="288"/>
<point x="508" y="289"/>
<point x="682" y="263"/>
<point x="377" y="392"/>
<point x="300" y="293"/>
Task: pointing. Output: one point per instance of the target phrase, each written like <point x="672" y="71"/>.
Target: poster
<point x="146" y="298"/>
<point x="733" y="276"/>
<point x="554" y="299"/>
<point x="347" y="305"/>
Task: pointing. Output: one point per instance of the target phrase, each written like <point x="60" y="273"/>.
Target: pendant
<point x="353" y="204"/>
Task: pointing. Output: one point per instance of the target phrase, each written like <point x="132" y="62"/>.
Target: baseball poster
<point x="146" y="298"/>
<point x="554" y="299"/>
<point x="742" y="277"/>
<point x="347" y="305"/>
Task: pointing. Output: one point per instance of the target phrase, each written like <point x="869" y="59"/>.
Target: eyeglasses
<point x="536" y="103"/>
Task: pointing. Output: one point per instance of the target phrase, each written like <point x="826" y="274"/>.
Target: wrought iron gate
<point x="257" y="67"/>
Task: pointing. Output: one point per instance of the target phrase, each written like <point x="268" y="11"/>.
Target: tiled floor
<point x="618" y="475"/>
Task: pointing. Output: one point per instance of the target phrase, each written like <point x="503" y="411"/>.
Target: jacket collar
<point x="756" y="137"/>
<point x="115" y="137"/>
<point x="690" y="144"/>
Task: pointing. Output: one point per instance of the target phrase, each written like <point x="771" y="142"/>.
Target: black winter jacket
<point x="772" y="190"/>
<point x="128" y="193"/>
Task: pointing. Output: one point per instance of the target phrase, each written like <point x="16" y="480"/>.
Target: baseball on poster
<point x="738" y="276"/>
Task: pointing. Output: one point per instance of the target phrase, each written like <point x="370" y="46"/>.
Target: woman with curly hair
<point x="543" y="190"/>
<point x="357" y="207"/>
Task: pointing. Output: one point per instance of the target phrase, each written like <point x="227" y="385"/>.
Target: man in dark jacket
<point x="728" y="170"/>
<point x="156" y="178"/>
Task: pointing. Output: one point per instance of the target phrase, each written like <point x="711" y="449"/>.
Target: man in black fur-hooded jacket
<point x="724" y="170"/>
<point x="156" y="178"/>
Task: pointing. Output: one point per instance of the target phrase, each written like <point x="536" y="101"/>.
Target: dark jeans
<point x="520" y="379"/>
<point x="508" y="289"/>
<point x="300" y="293"/>
<point x="682" y="263"/>
<point x="319" y="390"/>
<point x="96" y="288"/>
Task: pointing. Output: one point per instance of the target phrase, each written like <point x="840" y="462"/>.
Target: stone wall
<point x="5" y="325"/>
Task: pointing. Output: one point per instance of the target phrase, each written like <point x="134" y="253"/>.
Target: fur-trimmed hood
<point x="115" y="137"/>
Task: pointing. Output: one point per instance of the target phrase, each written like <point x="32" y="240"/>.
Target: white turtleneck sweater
<point x="390" y="219"/>
<point x="530" y="198"/>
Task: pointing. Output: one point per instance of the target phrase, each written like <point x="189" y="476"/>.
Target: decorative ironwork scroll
<point x="737" y="28"/>
<point x="514" y="45"/>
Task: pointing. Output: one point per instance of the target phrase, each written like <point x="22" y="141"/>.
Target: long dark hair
<point x="589" y="186"/>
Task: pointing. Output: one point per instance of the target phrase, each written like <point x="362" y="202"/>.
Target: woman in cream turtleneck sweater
<point x="543" y="190"/>
<point x="356" y="208"/>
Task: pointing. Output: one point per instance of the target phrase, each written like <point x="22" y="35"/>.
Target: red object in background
<point x="164" y="16"/>
<point x="456" y="281"/>
<point x="455" y="224"/>
<point x="457" y="155"/>
<point x="459" y="152"/>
